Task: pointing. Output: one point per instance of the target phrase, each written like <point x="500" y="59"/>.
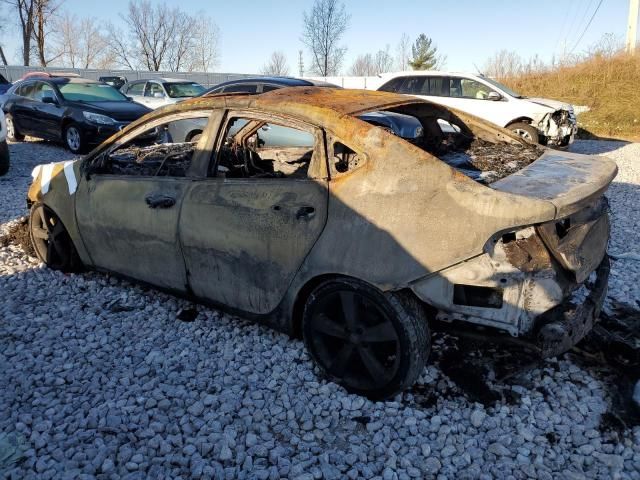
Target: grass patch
<point x="609" y="86"/>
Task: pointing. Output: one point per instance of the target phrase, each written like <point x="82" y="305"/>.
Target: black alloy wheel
<point x="51" y="240"/>
<point x="373" y="343"/>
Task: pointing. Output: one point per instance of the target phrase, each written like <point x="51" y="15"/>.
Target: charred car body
<point x="355" y="238"/>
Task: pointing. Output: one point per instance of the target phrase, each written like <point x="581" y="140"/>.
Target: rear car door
<point x="246" y="230"/>
<point x="23" y="110"/>
<point x="135" y="90"/>
<point x="128" y="207"/>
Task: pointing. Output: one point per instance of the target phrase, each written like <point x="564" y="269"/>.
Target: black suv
<point x="78" y="111"/>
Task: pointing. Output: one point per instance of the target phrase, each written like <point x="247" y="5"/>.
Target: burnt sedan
<point x="353" y="238"/>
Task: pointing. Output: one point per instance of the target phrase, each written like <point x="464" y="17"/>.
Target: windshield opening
<point x="186" y="89"/>
<point x="504" y="88"/>
<point x="90" y="92"/>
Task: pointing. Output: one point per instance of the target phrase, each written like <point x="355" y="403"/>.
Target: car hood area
<point x="552" y="105"/>
<point x="120" y="111"/>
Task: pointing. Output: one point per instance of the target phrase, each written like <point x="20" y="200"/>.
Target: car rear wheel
<point x="12" y="133"/>
<point x="525" y="131"/>
<point x="373" y="343"/>
<point x="51" y="241"/>
<point x="74" y="139"/>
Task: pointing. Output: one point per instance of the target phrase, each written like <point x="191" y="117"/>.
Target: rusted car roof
<point x="298" y="100"/>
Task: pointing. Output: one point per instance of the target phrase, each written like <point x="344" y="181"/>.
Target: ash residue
<point x="488" y="162"/>
<point x="19" y="235"/>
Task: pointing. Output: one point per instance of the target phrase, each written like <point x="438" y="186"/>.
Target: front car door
<point x="128" y="208"/>
<point x="49" y="114"/>
<point x="246" y="230"/>
<point x="154" y="95"/>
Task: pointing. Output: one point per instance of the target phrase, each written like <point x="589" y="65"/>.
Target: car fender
<point x="55" y="185"/>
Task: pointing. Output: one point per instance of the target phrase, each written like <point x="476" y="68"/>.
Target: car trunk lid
<point x="569" y="181"/>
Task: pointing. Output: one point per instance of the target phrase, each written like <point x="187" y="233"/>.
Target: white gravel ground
<point x="98" y="379"/>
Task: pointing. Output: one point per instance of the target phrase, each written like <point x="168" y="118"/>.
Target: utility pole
<point x="632" y="27"/>
<point x="300" y="64"/>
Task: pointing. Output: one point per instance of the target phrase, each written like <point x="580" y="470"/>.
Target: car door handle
<point x="160" y="201"/>
<point x="305" y="213"/>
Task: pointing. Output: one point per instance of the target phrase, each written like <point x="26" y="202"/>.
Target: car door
<point x="246" y="231"/>
<point x="473" y="96"/>
<point x="135" y="90"/>
<point x="154" y="95"/>
<point x="128" y="206"/>
<point x="49" y="114"/>
<point x="24" y="112"/>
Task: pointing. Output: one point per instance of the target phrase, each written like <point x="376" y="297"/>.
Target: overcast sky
<point x="466" y="31"/>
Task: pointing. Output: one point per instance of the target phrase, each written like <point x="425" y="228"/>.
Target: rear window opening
<point x="474" y="151"/>
<point x="474" y="296"/>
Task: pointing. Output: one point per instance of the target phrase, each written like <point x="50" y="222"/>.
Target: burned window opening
<point x="480" y="154"/>
<point x="344" y="158"/>
<point x="267" y="150"/>
<point x="475" y="296"/>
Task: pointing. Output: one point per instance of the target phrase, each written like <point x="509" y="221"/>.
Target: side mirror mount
<point x="494" y="96"/>
<point x="49" y="97"/>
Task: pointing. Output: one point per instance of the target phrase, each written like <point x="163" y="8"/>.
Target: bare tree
<point x="158" y="37"/>
<point x="205" y="50"/>
<point x="44" y="11"/>
<point x="118" y="47"/>
<point x="323" y="29"/>
<point x="383" y="61"/>
<point x="277" y="65"/>
<point x="152" y="29"/>
<point x="25" y="10"/>
<point x="368" y="65"/>
<point x="363" y="66"/>
<point x="180" y="47"/>
<point x="403" y="50"/>
<point x="79" y="42"/>
<point x="503" y="64"/>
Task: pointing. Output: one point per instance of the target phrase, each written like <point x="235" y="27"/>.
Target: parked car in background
<point x="114" y="81"/>
<point x="161" y="91"/>
<point x="78" y="111"/>
<point x="4" y="85"/>
<point x="537" y="120"/>
<point x="264" y="84"/>
<point x="4" y="148"/>
<point x="353" y="238"/>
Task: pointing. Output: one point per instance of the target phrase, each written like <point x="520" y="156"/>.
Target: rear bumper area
<point x="565" y="325"/>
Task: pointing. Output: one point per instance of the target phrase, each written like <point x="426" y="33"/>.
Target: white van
<point x="538" y="120"/>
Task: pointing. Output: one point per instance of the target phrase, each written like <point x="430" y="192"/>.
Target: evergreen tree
<point x="424" y="54"/>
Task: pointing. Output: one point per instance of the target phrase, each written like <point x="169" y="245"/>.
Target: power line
<point x="587" y="27"/>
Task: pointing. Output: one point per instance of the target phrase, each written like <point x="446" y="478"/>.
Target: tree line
<point x="155" y="36"/>
<point x="152" y="36"/>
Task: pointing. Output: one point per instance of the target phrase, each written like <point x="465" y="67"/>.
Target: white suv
<point x="538" y="120"/>
<point x="4" y="149"/>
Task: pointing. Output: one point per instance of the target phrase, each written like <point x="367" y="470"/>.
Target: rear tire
<point x="372" y="343"/>
<point x="51" y="241"/>
<point x="12" y="133"/>
<point x="525" y="131"/>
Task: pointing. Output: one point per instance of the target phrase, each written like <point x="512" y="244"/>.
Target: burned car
<point x="355" y="239"/>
